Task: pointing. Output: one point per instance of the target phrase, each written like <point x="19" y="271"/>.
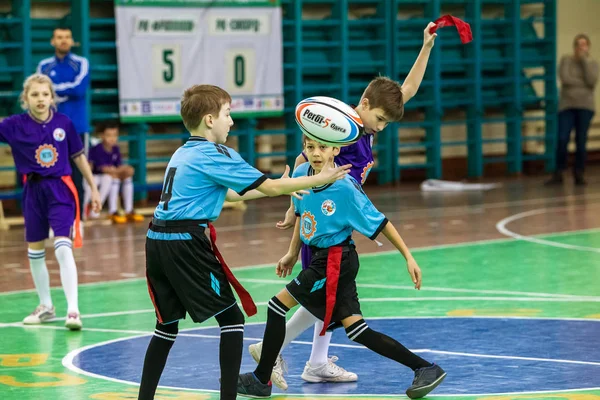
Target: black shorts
<point x="184" y="274"/>
<point x="308" y="288"/>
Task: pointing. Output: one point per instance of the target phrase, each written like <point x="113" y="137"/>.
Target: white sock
<point x="300" y="321"/>
<point x="87" y="194"/>
<point x="68" y="272"/>
<point x="39" y="272"/>
<point x="320" y="347"/>
<point x="127" y="191"/>
<point x="104" y="183"/>
<point x="113" y="197"/>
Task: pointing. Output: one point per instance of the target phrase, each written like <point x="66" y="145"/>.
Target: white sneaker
<point x="73" y="321"/>
<point x="329" y="372"/>
<point x="279" y="369"/>
<point x="41" y="314"/>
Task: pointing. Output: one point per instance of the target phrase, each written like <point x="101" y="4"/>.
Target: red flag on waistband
<point x="245" y="298"/>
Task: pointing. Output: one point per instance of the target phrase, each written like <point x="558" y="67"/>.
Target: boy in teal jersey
<point x="325" y="220"/>
<point x="185" y="271"/>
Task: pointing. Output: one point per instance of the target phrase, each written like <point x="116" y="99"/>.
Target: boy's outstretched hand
<point x="415" y="272"/>
<point x="330" y="174"/>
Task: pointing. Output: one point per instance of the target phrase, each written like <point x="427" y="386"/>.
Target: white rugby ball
<point x="329" y="121"/>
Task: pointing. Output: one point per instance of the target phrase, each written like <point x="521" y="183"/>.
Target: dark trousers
<point x="567" y="120"/>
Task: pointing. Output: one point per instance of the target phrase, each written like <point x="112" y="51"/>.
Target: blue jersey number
<point x="168" y="188"/>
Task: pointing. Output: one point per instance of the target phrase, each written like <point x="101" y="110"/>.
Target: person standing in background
<point x="70" y="77"/>
<point x="578" y="75"/>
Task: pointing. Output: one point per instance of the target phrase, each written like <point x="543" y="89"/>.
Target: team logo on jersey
<point x="328" y="207"/>
<point x="46" y="155"/>
<point x="365" y="173"/>
<point x="308" y="225"/>
<point x="59" y="134"/>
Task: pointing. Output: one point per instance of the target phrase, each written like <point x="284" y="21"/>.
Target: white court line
<point x="454" y="353"/>
<point x="363" y="255"/>
<point x="340" y="345"/>
<point x="67" y="362"/>
<point x="573" y="299"/>
<point x="501" y="227"/>
<point x="435" y="289"/>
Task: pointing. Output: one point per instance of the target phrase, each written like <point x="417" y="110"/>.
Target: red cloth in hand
<point x="463" y="28"/>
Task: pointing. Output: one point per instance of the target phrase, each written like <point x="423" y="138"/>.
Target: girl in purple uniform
<point x="42" y="141"/>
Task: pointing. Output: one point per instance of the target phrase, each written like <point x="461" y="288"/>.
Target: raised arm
<point x="415" y="76"/>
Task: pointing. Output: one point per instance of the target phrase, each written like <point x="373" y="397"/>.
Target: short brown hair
<point x="581" y="36"/>
<point x="199" y="101"/>
<point x="385" y="93"/>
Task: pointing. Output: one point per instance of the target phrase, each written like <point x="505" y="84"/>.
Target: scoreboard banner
<point x="166" y="46"/>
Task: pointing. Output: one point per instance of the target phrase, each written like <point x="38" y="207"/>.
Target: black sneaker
<point x="426" y="379"/>
<point x="578" y="177"/>
<point x="557" y="179"/>
<point x="249" y="386"/>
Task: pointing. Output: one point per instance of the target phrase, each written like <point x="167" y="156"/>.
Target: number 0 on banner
<point x="240" y="71"/>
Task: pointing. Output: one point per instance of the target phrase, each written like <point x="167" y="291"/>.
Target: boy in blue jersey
<point x="184" y="270"/>
<point x="325" y="220"/>
<point x="382" y="102"/>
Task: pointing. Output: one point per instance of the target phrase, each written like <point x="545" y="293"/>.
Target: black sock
<point x="384" y="345"/>
<point x="231" y="322"/>
<point x="273" y="339"/>
<point x="156" y="358"/>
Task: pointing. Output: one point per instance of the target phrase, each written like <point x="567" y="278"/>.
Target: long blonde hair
<point x="36" y="78"/>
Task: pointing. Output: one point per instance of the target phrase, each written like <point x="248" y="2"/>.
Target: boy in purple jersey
<point x="382" y="102"/>
<point x="111" y="174"/>
<point x="42" y="141"/>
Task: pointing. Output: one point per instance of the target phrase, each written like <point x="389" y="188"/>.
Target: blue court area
<point x="480" y="355"/>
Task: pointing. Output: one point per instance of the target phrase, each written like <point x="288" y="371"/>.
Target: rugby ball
<point x="329" y="121"/>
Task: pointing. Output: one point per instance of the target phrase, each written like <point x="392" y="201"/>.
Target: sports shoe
<point x="117" y="219"/>
<point x="328" y="372"/>
<point x="41" y="314"/>
<point x="249" y="386"/>
<point x="134" y="217"/>
<point x="426" y="379"/>
<point x="279" y="368"/>
<point x="73" y="321"/>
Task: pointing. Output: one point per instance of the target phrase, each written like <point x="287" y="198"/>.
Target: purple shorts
<point x="47" y="203"/>
<point x="305" y="255"/>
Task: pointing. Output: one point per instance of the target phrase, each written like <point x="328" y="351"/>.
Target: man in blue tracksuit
<point x="70" y="75"/>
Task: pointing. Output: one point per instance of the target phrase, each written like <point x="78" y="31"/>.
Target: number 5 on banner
<point x="240" y="71"/>
<point x="166" y="66"/>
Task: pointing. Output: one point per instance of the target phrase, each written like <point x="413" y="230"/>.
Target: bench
<point x="8" y="195"/>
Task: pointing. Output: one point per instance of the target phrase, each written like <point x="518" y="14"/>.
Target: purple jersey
<point x="41" y="147"/>
<point x="360" y="155"/>
<point x="99" y="157"/>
